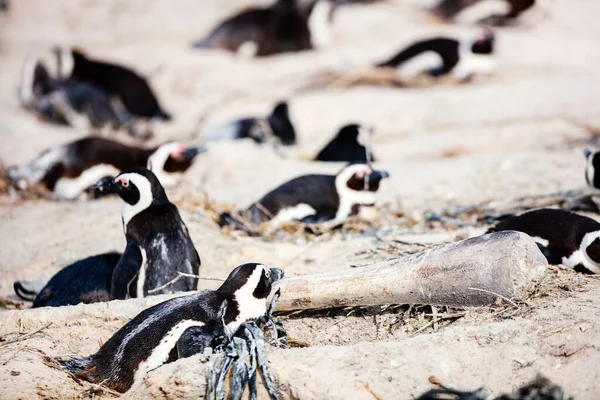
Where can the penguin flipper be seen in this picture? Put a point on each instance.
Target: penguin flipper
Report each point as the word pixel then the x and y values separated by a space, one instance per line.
pixel 195 339
pixel 125 271
pixel 77 365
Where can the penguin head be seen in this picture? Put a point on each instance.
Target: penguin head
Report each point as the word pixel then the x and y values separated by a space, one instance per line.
pixel 136 186
pixel 484 43
pixel 593 163
pixel 248 285
pixel 593 251
pixel 281 125
pixel 171 158
pixel 358 178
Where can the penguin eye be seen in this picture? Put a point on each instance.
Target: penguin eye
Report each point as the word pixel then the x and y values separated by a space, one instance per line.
pixel 125 183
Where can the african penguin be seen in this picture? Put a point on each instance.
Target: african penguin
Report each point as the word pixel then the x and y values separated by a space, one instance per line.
pixel 84 281
pixel 593 163
pixel 158 247
pixel 319 198
pixel 348 145
pixel 442 56
pixel 276 126
pixel 563 237
pixel 493 12
pixel 69 170
pixel 127 85
pixel 65 101
pixel 178 328
pixel 284 26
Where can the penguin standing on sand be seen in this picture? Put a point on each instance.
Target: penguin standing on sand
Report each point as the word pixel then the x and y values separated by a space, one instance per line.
pixel 441 56
pixel 69 170
pixel 348 145
pixel 178 328
pixel 124 83
pixel 277 127
pixel 65 101
pixel 84 281
pixel 159 246
pixel 281 27
pixel 318 198
pixel 563 237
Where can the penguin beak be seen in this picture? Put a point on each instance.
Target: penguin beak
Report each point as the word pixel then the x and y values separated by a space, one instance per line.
pixel 275 274
pixel 105 186
pixel 587 153
pixel 192 152
pixel 379 175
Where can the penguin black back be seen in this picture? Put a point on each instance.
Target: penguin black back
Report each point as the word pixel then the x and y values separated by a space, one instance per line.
pixel 564 237
pixel 347 146
pixel 84 281
pixel 447 48
pixel 158 334
pixel 129 86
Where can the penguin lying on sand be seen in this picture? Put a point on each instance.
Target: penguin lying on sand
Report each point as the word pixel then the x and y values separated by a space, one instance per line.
pixel 84 281
pixel 442 56
pixel 281 27
pixel 65 101
pixel 563 237
pixel 317 198
pixel 158 242
pixel 124 83
pixel 493 12
pixel 348 145
pixel 69 170
pixel 177 328
pixel 276 126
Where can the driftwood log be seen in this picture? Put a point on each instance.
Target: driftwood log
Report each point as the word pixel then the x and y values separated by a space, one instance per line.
pixel 473 272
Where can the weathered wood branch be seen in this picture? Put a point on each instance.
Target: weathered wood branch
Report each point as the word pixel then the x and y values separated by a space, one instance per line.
pixel 472 272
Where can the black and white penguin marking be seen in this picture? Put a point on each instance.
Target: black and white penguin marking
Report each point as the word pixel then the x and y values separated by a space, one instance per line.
pixel 281 27
pixel 127 85
pixel 442 56
pixel 276 126
pixel 158 242
pixel 563 237
pixel 348 145
pixel 69 170
pixel 319 198
pixel 493 12
pixel 65 101
pixel 162 333
pixel 84 281
pixel 593 164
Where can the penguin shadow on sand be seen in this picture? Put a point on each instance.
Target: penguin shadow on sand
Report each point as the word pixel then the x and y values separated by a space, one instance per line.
pixel 426 62
pixel 88 93
pixel 68 171
pixel 284 26
pixel 159 256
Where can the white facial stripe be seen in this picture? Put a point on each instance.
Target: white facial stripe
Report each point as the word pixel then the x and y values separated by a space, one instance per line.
pixel 145 189
pixel 482 9
pixel 586 260
pixel 249 306
pixel 590 171
pixel 142 275
pixel 540 240
pixel 349 197
pixel 67 63
pixel 428 60
pixel 319 25
pixel 248 49
pixel 160 354
pixel 294 213
pixel 470 64
pixel 156 163
pixel 70 189
pixel 27 80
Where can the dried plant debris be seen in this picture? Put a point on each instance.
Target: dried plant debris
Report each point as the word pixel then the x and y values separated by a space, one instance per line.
pixel 24 193
pixel 538 389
